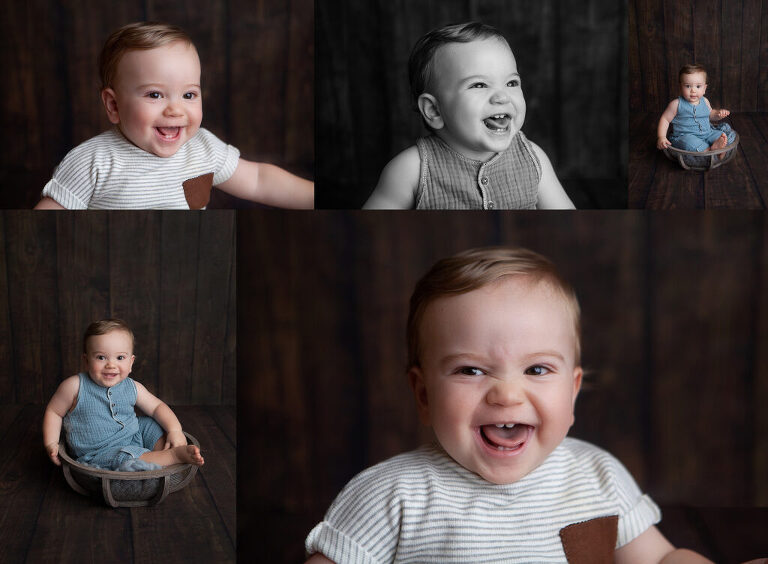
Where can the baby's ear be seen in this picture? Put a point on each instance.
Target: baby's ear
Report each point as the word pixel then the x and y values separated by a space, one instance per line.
pixel 416 379
pixel 110 104
pixel 430 111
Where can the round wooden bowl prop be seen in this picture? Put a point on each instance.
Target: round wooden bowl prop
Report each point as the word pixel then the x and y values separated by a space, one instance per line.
pixel 713 157
pixel 127 489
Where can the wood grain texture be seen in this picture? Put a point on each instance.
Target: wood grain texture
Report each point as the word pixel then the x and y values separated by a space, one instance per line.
pixel 169 275
pixel 727 36
pixel 257 78
pixel 32 271
pixel 24 468
pixel 715 313
pixel 673 321
pixel 364 108
pixel 44 520
pixel 656 182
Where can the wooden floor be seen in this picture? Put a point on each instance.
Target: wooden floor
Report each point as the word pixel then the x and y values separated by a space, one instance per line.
pixel 43 520
pixel 655 182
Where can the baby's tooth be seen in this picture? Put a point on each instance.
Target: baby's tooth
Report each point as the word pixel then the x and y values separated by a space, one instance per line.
pixel 509 425
pixel 499 425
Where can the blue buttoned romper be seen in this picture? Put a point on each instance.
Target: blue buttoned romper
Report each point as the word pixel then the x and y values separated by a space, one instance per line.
pixel 103 429
pixel 691 130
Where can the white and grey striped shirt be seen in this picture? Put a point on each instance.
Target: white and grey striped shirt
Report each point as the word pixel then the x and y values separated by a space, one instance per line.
pixel 109 172
pixel 422 506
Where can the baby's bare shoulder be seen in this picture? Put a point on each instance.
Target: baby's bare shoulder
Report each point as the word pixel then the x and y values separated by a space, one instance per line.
pixel 398 182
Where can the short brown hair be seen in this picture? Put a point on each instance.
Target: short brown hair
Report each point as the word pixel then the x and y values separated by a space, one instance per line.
pixel 104 326
pixel 475 268
pixel 135 36
pixel 691 69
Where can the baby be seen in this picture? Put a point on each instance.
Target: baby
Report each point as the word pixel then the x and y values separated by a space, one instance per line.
pixel 690 119
pixel 465 84
pixel 157 155
pixel 494 364
pixel 97 409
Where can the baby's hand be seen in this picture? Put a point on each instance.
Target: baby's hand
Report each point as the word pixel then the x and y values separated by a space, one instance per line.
pixel 663 143
pixel 174 439
pixel 724 113
pixel 53 453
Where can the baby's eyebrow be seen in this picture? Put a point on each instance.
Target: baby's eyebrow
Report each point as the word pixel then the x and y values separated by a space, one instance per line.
pixel 159 85
pixel 459 357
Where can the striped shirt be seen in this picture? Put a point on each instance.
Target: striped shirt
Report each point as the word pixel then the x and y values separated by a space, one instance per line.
pixel 109 172
pixel 422 506
pixel 451 181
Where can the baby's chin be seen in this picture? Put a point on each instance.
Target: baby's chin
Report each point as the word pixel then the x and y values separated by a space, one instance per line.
pixel 482 151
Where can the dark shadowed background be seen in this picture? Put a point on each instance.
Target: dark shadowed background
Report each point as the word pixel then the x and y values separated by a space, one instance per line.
pixel 571 56
pixel 674 326
pixel 257 76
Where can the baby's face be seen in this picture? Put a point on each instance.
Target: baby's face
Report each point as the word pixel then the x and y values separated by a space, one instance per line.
pixel 693 86
pixel 479 97
pixel 158 97
pixel 109 358
pixel 498 377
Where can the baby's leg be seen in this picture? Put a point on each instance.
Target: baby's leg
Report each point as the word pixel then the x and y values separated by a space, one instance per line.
pixel 688 142
pixel 189 454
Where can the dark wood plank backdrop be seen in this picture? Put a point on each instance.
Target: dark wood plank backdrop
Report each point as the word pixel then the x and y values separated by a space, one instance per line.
pixel 729 37
pixel 675 313
pixel 171 276
pixel 257 75
pixel 571 56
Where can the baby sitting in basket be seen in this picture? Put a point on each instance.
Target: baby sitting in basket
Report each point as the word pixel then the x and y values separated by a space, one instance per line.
pixel 96 409
pixel 690 115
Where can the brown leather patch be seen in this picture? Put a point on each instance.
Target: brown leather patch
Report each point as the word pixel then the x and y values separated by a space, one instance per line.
pixel 592 541
pixel 197 191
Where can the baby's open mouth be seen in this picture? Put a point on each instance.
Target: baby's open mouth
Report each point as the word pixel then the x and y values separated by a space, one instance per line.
pixel 505 436
pixel 498 123
pixel 169 132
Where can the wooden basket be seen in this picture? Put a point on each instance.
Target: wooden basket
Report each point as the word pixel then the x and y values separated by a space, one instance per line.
pixel 713 161
pixel 127 489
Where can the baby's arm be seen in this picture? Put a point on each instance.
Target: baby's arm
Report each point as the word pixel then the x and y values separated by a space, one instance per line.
pixel 271 185
pixel 398 183
pixel 551 193
pixel 318 558
pixel 57 408
pixel 666 118
pixel 716 115
pixel 160 412
pixel 48 204
pixel 652 546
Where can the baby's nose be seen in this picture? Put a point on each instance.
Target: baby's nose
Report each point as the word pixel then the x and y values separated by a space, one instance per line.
pixel 500 97
pixel 505 392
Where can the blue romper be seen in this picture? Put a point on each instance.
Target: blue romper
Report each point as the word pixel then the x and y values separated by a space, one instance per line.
pixel 103 429
pixel 691 130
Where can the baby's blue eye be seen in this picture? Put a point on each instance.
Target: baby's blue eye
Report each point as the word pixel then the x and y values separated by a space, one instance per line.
pixel 153 95
pixel 190 95
pixel 101 357
pixel 470 371
pixel 537 370
pixel 120 357
pixel 478 85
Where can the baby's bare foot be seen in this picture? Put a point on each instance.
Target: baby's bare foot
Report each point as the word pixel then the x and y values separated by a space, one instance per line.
pixel 721 142
pixel 190 454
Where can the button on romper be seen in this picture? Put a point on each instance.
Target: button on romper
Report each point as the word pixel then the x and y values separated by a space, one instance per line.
pixel 451 181
pixel 103 429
